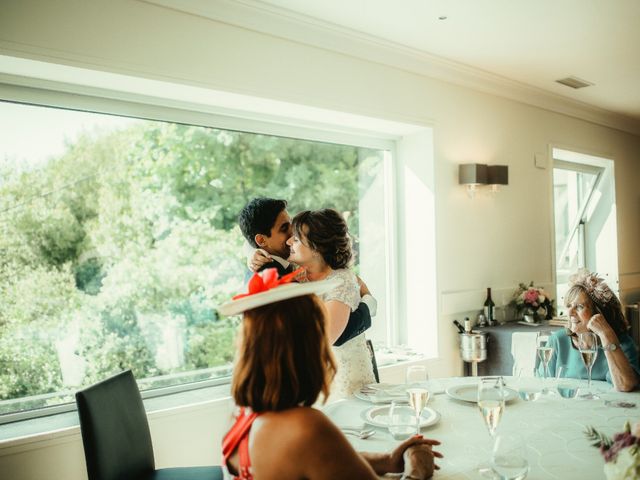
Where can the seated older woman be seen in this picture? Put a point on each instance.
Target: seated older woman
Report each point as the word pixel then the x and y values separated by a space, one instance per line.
pixel 283 364
pixel 594 307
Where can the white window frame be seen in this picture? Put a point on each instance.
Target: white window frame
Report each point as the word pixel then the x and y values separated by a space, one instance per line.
pixel 50 93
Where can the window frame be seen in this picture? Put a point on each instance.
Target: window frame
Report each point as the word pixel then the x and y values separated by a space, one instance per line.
pixel 45 93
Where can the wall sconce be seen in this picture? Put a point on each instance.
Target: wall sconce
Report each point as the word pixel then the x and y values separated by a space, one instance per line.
pixel 498 175
pixel 473 175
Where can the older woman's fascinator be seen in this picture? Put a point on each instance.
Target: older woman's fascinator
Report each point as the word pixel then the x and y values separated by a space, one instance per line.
pixel 594 286
pixel 265 288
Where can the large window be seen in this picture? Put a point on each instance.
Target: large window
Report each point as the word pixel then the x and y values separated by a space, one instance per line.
pixel 118 239
pixel 584 215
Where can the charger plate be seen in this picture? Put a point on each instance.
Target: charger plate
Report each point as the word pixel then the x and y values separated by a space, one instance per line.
pixel 469 393
pixel 379 416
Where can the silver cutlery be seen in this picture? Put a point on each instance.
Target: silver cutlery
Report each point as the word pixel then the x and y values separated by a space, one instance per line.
pixel 362 434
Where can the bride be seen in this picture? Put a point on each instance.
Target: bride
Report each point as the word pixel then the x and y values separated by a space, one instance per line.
pixel 322 246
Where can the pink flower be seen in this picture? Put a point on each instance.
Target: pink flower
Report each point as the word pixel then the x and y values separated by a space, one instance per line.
pixel 531 296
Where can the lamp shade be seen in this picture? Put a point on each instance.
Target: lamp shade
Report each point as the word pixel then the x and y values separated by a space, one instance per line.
pixel 472 174
pixel 498 175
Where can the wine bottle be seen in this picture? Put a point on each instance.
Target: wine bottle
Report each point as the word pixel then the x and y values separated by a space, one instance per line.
pixel 460 327
pixel 489 308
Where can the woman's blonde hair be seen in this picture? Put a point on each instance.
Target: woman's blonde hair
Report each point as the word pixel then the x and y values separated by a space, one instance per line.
pixel 285 359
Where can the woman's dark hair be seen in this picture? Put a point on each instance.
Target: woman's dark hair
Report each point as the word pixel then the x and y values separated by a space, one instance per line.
pixel 284 359
pixel 611 311
pixel 326 232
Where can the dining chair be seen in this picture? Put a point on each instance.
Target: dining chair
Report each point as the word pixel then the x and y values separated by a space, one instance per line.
pixel 116 438
pixel 372 354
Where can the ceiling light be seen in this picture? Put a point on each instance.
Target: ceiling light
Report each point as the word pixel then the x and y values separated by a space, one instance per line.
pixel 442 17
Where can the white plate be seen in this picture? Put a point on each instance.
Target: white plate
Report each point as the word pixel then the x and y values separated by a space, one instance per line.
pixel 379 416
pixel 469 393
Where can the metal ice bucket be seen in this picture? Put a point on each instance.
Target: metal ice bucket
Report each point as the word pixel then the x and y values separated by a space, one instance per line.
pixel 473 346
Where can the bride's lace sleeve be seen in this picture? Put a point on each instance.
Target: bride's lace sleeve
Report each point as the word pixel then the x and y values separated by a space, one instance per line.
pixel 348 292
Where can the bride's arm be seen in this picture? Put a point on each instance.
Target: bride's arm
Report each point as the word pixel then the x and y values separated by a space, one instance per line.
pixel 337 320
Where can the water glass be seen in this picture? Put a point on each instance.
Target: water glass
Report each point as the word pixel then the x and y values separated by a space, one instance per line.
pixel 528 388
pixel 402 421
pixel 566 386
pixel 509 458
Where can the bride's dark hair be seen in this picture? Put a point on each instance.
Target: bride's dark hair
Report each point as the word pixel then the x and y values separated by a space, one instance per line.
pixel 326 232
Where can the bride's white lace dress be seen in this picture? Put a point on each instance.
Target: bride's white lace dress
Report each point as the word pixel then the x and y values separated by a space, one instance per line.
pixel 354 362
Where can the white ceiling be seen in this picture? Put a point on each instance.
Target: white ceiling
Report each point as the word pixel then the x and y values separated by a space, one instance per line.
pixel 532 42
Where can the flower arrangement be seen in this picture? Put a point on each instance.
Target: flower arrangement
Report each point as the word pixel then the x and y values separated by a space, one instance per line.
pixel 532 299
pixel 621 452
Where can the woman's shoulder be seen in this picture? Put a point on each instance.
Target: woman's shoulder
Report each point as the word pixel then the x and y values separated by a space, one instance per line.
pixel 344 274
pixel 294 428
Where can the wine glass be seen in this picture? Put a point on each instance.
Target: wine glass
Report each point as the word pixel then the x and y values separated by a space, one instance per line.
pixel 491 402
pixel 509 457
pixel 588 346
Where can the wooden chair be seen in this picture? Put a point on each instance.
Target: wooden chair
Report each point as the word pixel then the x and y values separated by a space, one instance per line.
pixel 116 437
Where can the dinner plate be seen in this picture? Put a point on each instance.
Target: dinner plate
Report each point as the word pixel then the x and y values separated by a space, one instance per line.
pixel 379 416
pixel 469 393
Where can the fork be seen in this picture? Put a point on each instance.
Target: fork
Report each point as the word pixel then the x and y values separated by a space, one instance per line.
pixel 362 434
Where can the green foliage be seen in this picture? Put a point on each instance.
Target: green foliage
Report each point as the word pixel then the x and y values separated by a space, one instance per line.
pixel 28 363
pixel 130 236
pixel 210 344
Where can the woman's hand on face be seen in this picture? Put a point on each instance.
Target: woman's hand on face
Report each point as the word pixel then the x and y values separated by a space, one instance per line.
pixel 598 325
pixel 414 449
pixel 260 257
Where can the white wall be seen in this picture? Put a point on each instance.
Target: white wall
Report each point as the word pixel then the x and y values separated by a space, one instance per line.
pixel 494 241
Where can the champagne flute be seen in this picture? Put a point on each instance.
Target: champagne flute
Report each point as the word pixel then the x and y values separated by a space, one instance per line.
pixel 418 398
pixel 416 376
pixel 544 350
pixel 491 402
pixel 588 346
pixel 491 406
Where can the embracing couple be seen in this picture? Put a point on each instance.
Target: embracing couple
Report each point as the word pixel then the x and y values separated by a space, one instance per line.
pixel 319 242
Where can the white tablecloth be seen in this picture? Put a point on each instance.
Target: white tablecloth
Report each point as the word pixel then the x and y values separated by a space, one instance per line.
pixel 552 428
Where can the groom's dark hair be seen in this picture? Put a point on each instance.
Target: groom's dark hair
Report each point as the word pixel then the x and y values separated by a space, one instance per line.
pixel 259 216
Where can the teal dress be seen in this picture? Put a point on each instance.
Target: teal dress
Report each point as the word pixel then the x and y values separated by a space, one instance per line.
pixel 565 354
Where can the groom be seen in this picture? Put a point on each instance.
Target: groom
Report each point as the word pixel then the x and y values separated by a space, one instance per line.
pixel 266 224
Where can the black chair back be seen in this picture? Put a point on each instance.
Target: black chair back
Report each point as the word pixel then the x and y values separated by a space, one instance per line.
pixel 115 431
pixel 374 363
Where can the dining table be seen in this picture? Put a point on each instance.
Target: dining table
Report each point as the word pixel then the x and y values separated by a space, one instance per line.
pixel 551 427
